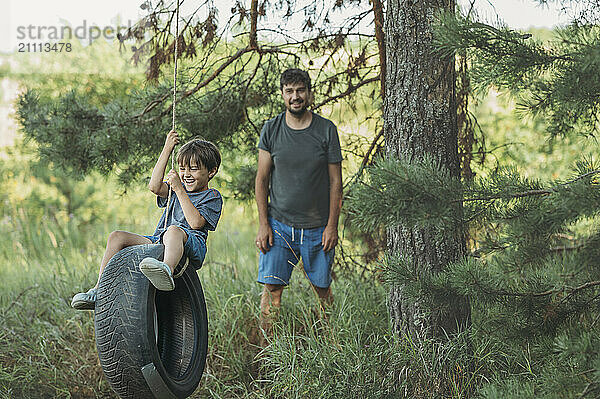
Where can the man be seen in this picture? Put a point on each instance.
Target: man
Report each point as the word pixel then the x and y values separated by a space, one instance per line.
pixel 298 194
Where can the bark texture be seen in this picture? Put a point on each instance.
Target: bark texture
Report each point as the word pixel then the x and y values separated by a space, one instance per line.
pixel 419 119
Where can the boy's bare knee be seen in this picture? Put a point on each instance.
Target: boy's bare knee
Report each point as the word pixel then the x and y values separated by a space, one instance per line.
pixel 116 236
pixel 175 231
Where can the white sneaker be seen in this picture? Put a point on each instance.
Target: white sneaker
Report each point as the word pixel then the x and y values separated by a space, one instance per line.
pixel 159 274
pixel 85 300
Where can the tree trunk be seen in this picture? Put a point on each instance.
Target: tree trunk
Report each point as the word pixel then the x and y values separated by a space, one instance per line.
pixel 420 118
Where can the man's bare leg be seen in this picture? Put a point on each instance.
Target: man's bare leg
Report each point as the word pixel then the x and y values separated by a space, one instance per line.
pixel 270 302
pixel 325 295
pixel 325 302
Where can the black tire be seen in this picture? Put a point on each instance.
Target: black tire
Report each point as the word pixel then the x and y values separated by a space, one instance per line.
pixel 151 344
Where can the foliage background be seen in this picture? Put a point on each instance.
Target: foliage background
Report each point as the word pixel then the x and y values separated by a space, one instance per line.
pixel 55 226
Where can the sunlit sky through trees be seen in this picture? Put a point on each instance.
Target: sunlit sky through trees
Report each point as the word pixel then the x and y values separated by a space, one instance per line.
pixel 18 16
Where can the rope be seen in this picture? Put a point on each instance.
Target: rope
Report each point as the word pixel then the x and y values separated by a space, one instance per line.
pixel 178 274
pixel 174 103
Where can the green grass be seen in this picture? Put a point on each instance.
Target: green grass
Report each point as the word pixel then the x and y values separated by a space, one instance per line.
pixel 47 349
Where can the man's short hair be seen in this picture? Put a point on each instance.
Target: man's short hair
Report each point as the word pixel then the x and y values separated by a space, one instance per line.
pixel 199 151
pixel 294 75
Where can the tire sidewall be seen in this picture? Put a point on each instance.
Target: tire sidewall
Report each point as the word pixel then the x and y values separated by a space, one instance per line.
pixel 186 385
pixel 125 330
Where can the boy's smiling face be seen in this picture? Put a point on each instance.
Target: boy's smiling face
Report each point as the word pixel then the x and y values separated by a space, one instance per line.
pixel 194 177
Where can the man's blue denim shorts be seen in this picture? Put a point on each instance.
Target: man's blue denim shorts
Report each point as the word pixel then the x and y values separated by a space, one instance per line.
pixel 289 245
pixel 194 248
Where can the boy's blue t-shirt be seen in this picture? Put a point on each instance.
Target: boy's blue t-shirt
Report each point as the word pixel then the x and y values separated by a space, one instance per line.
pixel 208 202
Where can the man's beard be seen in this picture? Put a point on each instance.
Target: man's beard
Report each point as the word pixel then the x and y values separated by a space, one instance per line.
pixel 299 112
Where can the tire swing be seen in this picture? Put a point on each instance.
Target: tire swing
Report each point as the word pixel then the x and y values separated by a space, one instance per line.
pixel 151 344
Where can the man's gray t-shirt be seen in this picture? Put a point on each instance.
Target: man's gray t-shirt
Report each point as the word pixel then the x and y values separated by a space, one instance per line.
pixel 299 189
pixel 208 202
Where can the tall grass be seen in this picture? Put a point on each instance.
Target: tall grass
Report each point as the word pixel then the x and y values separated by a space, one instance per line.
pixel 47 349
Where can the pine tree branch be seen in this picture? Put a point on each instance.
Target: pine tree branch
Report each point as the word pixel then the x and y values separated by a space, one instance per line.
pixel 479 213
pixel 528 193
pixel 507 196
pixel 217 72
pixel 583 176
pixel 378 18
pixel 566 249
pixel 572 291
pixel 412 183
pixel 253 24
pixel 258 63
pixel 589 284
pixel 586 390
pixel 365 160
pixel 293 42
pixel 351 88
pixel 198 86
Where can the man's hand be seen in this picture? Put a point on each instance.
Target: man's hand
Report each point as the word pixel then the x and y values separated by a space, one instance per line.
pixel 171 141
pixel 330 238
pixel 174 181
pixel 264 238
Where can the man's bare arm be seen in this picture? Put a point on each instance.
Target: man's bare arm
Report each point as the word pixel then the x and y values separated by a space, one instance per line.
pixel 330 234
pixel 264 237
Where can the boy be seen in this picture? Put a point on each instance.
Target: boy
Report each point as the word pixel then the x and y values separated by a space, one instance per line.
pixel 193 211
